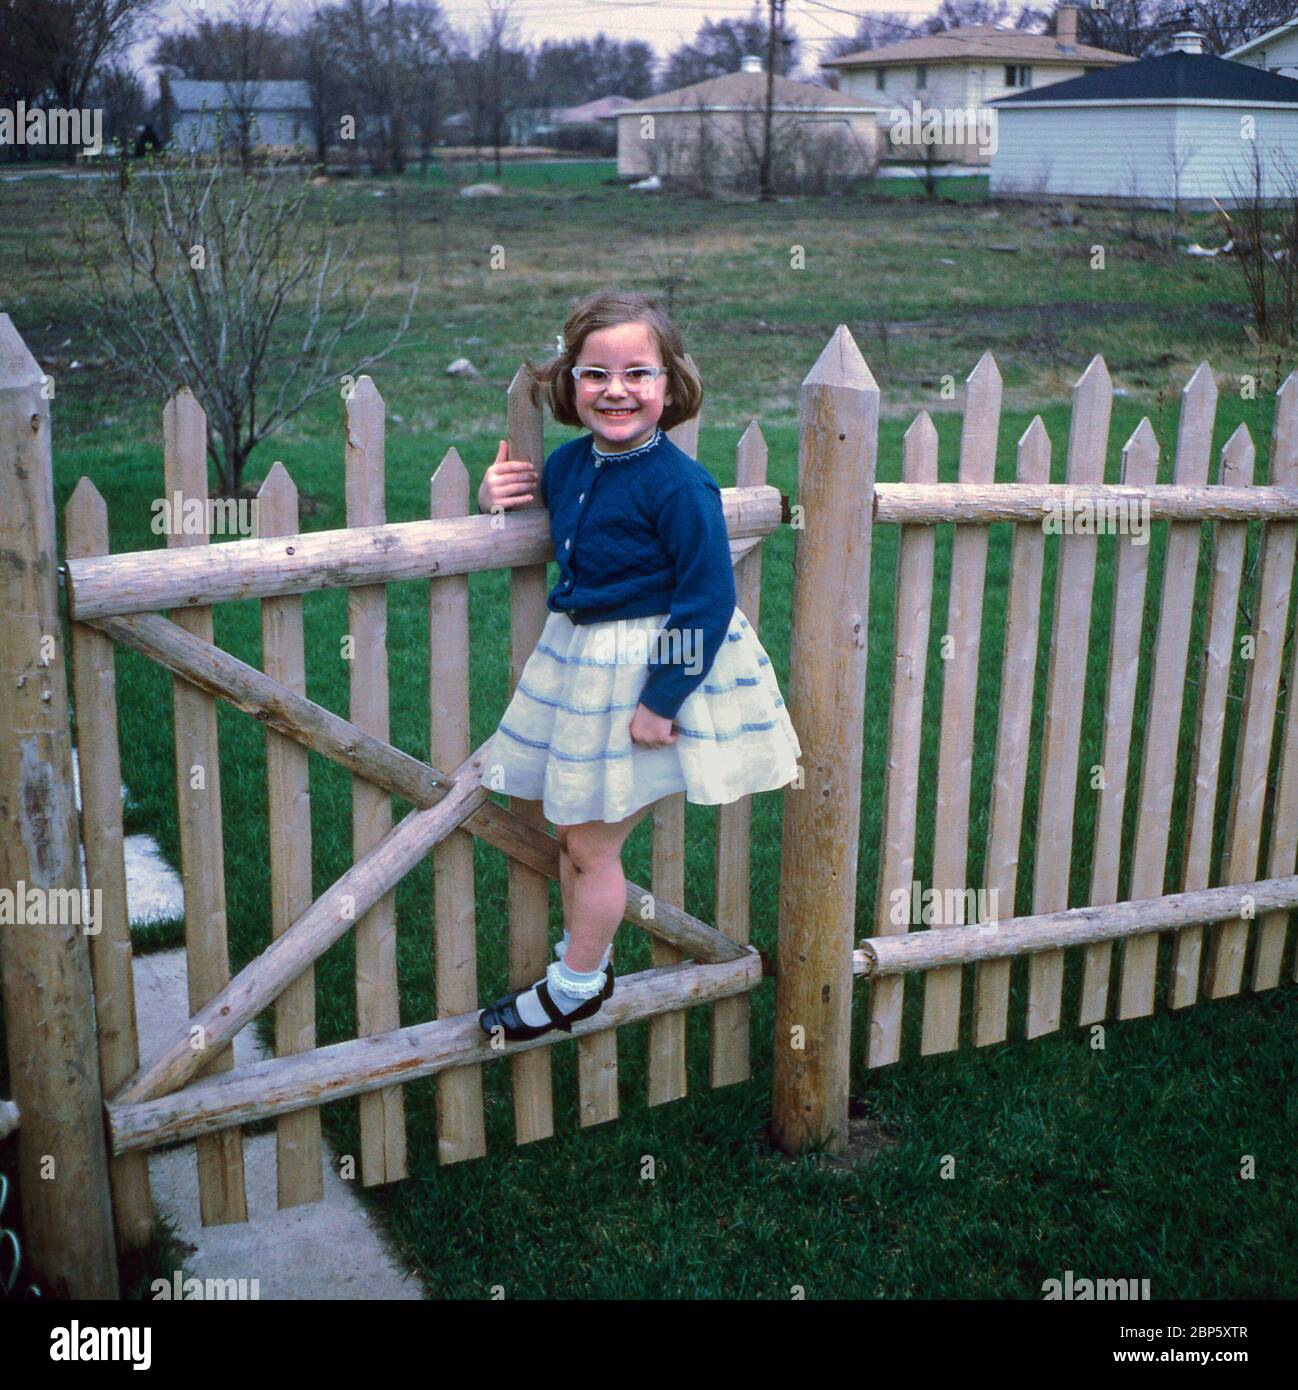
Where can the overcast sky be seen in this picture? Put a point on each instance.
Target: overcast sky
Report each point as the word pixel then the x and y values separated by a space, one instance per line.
pixel 663 24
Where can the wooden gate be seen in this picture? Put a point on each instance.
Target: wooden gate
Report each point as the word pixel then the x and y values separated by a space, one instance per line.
pixel 192 1090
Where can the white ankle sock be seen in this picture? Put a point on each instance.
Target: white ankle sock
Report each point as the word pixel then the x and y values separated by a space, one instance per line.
pixel 569 989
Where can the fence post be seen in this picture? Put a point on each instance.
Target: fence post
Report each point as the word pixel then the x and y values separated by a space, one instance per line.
pixel 837 452
pixel 49 1002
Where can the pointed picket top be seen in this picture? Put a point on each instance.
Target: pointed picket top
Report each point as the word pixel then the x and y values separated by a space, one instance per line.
pixel 1194 429
pixel 364 470
pixel 751 457
pixel 363 393
pixel 1140 456
pixel 85 520
pixel 1034 450
pixel 277 503
pixel 448 489
pixel 277 484
pixel 184 461
pixel 981 425
pixel 18 368
pixel 1095 378
pixel 521 381
pixel 1202 385
pixel 985 374
pixel 919 450
pixel 184 423
pixel 1237 458
pixel 366 413
pixel 1088 432
pixel 524 421
pixel 840 364
pixel 1284 435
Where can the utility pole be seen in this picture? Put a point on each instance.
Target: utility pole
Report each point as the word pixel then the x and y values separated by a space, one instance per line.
pixel 774 28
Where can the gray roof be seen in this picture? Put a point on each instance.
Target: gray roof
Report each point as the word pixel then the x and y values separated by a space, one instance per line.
pixel 1175 76
pixel 192 95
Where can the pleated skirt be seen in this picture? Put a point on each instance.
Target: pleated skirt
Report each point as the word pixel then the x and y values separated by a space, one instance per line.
pixel 565 737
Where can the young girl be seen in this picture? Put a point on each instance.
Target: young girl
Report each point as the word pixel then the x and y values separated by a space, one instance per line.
pixel 647 679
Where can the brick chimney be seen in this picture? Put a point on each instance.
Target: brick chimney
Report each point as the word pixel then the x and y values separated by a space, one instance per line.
pixel 1066 26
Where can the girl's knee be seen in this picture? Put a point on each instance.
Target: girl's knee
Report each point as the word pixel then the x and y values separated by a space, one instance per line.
pixel 589 849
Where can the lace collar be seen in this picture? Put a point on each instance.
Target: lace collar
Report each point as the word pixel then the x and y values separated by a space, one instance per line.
pixel 629 453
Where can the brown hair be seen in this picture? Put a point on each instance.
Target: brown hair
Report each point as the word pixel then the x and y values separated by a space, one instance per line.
pixel 552 381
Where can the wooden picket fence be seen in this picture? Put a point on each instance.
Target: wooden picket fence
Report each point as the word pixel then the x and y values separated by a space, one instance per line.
pixel 108 1119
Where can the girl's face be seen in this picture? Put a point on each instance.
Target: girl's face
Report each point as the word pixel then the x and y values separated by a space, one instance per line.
pixel 620 416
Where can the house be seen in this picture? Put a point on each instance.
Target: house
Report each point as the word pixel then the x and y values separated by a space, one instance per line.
pixel 602 109
pixel 1176 130
pixel 274 113
pixel 1275 51
pixel 956 74
pixel 715 129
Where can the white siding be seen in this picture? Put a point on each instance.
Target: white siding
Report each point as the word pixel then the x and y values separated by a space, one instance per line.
pixel 953 84
pixel 950 86
pixel 272 128
pixel 1276 55
pixel 1136 152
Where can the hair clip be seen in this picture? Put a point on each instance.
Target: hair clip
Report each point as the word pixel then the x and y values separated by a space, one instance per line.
pixel 558 344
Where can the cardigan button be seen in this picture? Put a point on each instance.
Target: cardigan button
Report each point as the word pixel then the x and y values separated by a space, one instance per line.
pixel 582 498
pixel 567 545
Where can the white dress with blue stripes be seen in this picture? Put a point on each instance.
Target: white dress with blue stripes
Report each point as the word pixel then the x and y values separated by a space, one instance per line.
pixel 565 737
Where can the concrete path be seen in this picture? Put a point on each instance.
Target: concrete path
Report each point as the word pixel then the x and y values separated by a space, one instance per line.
pixel 329 1249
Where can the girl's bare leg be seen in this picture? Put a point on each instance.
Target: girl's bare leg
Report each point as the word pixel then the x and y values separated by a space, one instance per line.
pixel 595 897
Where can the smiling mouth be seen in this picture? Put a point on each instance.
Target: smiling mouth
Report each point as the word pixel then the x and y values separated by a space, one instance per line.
pixel 618 410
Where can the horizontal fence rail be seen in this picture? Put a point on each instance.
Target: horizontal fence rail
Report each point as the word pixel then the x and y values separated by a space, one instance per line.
pixel 881 956
pixel 145 581
pixel 973 504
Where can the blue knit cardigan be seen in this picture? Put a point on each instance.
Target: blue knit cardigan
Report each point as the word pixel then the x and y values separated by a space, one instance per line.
pixel 640 533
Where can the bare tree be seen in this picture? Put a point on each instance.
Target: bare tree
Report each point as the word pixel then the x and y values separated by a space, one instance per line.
pixel 490 73
pixel 1225 24
pixel 1263 232
pixel 226 283
pixel 719 45
pixel 388 58
pixel 58 46
pixel 873 31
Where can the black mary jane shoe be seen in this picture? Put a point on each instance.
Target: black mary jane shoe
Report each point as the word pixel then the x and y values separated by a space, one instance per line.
pixel 504 1014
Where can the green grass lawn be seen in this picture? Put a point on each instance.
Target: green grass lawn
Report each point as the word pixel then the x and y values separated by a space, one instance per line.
pixel 1113 1162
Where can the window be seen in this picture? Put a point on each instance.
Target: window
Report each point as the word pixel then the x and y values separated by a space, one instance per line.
pixel 881 79
pixel 1017 75
pixel 921 77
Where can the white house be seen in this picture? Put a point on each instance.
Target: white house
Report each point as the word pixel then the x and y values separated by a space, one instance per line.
pixel 715 129
pixel 962 70
pixel 1179 129
pixel 276 113
pixel 1275 51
